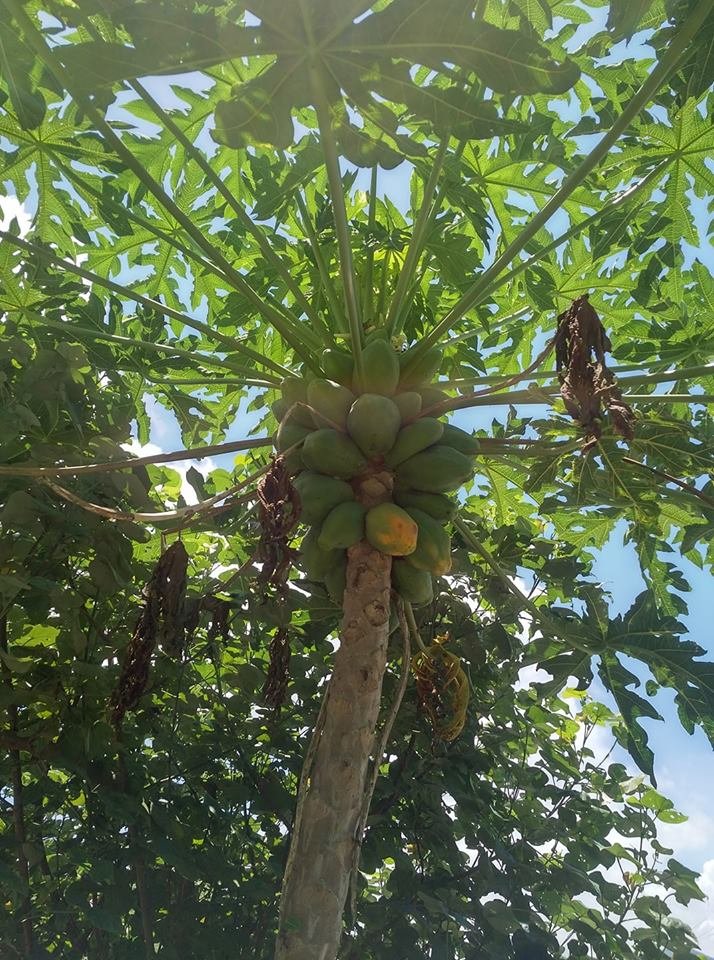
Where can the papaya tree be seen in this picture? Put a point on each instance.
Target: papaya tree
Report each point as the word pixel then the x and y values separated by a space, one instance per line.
pixel 324 236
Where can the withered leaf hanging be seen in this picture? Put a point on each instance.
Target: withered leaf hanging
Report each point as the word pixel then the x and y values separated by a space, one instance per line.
pixel 161 621
pixel 278 511
pixel 586 385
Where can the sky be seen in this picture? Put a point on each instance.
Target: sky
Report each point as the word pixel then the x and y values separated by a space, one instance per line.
pixel 684 764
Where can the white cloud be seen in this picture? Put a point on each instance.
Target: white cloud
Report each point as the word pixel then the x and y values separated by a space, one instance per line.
pixel 699 916
pixel 689 839
pixel 11 207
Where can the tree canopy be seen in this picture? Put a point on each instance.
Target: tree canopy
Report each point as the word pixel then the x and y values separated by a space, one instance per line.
pixel 206 199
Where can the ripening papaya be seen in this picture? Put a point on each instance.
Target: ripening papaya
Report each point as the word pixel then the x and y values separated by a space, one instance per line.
pixel 314 560
pixel 460 440
pixel 380 368
pixel 433 548
pixel 320 494
pixel 330 401
pixel 343 526
pixel 414 438
pixel 290 432
pixel 438 469
pixel 408 404
pixel 334 453
pixel 373 423
pixel 438 506
pixel 336 580
pixel 391 530
pixel 419 370
pixel 338 366
pixel 413 585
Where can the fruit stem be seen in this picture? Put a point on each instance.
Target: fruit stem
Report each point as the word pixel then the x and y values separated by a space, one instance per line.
pixel 413 628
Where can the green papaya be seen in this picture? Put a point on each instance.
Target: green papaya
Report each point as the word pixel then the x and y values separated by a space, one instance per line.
pixel 336 580
pixel 413 585
pixel 338 366
pixel 294 391
pixel 293 462
pixel 320 494
pixel 438 506
pixel 373 423
pixel 290 432
pixel 436 470
pixel 279 408
pixel 328 451
pixel 332 400
pixel 315 561
pixel 380 368
pixel 460 440
pixel 433 547
pixel 408 404
pixel 391 530
pixel 432 395
pixel 421 369
pixel 414 438
pixel 343 526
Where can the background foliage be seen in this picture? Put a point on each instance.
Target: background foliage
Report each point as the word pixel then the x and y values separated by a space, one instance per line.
pixel 184 251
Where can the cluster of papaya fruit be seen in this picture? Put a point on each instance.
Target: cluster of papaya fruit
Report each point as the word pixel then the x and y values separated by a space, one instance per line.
pixel 339 430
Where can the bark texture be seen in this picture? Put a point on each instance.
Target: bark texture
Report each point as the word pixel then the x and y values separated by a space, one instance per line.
pixel 317 875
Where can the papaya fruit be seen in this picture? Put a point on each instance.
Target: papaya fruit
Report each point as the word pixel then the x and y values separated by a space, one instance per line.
pixel 338 366
pixel 290 432
pixel 391 530
pixel 293 462
pixel 408 404
pixel 413 585
pixel 320 494
pixel 328 451
pixel 460 440
pixel 279 408
pixel 336 580
pixel 419 370
pixel 438 506
pixel 343 526
pixel 373 423
pixel 315 561
pixel 381 368
pixel 414 438
pixel 432 395
pixel 294 391
pixel 433 547
pixel 330 399
pixel 436 470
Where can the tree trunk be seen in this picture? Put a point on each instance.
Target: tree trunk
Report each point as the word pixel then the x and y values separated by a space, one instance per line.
pixel 317 875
